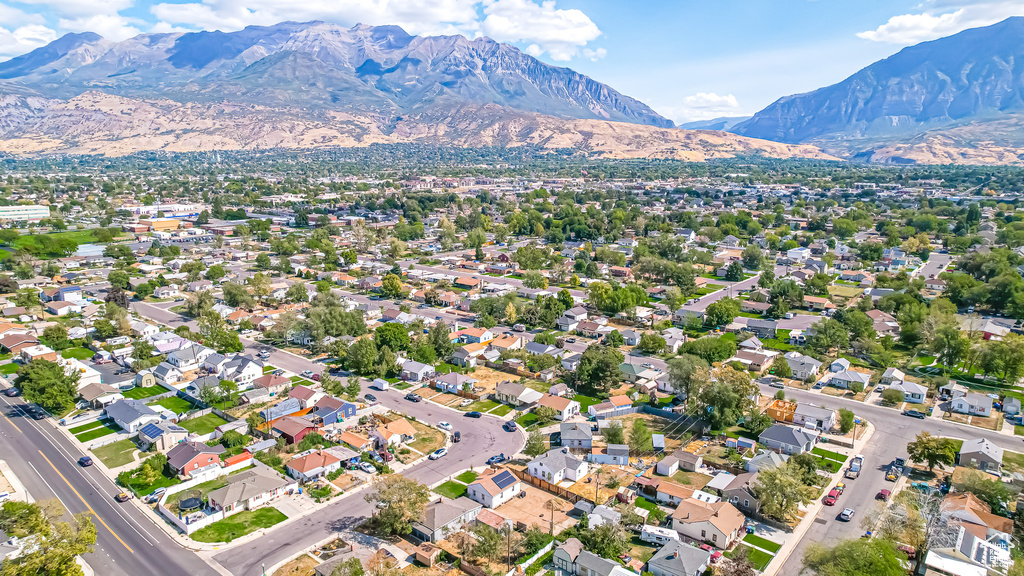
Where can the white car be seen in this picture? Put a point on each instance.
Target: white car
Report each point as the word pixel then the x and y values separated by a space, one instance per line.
pixel 367 467
pixel 439 453
pixel 444 426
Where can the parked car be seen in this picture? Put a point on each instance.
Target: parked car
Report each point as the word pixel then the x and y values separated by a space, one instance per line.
pixel 370 398
pixel 444 426
pixel 386 456
pixel 316 377
pixel 413 397
pixel 439 453
pixel 892 475
pixel 496 459
pixel 831 497
pixel 847 514
pixel 883 495
pixel 465 403
pixel 123 497
pixel 154 495
pixel 367 467
pixel 456 436
pixel 841 487
pixel 10 392
pixel 308 373
pixel 509 426
pixel 473 414
pixel 914 414
pixel 85 461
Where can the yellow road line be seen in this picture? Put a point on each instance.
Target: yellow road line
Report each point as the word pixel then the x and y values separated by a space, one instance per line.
pixel 11 422
pixel 84 502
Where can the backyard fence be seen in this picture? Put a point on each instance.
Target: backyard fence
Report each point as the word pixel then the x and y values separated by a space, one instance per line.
pixel 549 487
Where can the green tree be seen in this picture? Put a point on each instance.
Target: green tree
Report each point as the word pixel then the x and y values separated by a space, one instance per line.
pixel 297 292
pixel 393 335
pixel 48 385
pixel 535 444
pixel 891 397
pixel 391 286
pixel 263 261
pixel 544 414
pixel 932 450
pixel 991 491
pixel 598 370
pixel 651 343
pixel 752 257
pixel 781 368
pixel 855 557
pixel 405 501
pixel 686 373
pixel 781 491
pixel 118 278
pixel 734 273
pixel 614 339
pixel 215 272
pixel 613 433
pixel 56 337
pixel 535 280
pixel 640 437
pixel 722 312
pixel 847 420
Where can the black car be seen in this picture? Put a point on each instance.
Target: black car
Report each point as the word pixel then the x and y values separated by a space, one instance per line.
pixel 473 414
pixel 370 398
pixel 509 426
pixel 914 414
pixel 11 392
pixel 37 414
pixel 85 461
pixel 412 397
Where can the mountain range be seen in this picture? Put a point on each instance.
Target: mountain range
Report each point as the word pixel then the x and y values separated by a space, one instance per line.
pixel 318 84
pixel 958 99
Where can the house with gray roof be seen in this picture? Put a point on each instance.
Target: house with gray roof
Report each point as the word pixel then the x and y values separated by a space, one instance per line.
pixel 787 439
pixel 679 559
pixel 801 366
pixel 809 415
pixel 444 517
pixel 250 489
pixel 131 414
pixel 765 460
pixel 763 328
pixel 982 454
pixel 557 465
pixel 576 436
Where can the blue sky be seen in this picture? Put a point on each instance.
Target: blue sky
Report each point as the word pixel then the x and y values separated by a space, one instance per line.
pixel 688 59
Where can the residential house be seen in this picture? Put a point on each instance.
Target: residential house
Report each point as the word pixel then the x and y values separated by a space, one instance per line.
pixel 131 415
pixel 811 416
pixel 161 435
pixel 570 559
pixel 787 439
pixel 717 523
pixel 912 392
pixel 565 408
pixel 557 465
pixel 764 329
pixel 756 362
pixel 452 382
pixel 330 410
pixel 306 396
pixel 847 378
pixel 468 355
pixel 802 367
pixel 973 403
pixel 494 488
pixel 538 349
pixel 572 362
pixel 38 352
pixel 677 558
pixel 273 383
pixel 444 517
pixel 671 493
pixel 62 308
pixel 976 516
pixel 187 457
pixel 740 492
pixel 766 459
pixel 576 436
pixel 313 464
pixel 982 454
pixel 250 489
pixel 892 376
pixel 413 371
pixel 617 454
pixel 292 428
pixel 515 394
pixel 395 432
pixel 189 357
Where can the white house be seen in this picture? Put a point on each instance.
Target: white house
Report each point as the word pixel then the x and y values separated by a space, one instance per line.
pixel 167 374
pixel 189 357
pixel 798 254
pixel 557 465
pixel 564 407
pixel 312 465
pixel 846 378
pixel 131 414
pixel 719 523
pixel 913 393
pixel 493 490
pixel 973 404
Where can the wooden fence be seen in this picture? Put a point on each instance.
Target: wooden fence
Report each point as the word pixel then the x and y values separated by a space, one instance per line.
pixel 549 487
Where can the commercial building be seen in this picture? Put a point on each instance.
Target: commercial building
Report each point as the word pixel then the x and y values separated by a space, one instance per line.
pixel 160 224
pixel 24 212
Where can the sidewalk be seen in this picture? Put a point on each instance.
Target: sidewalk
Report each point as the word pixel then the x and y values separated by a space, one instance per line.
pixel 811 512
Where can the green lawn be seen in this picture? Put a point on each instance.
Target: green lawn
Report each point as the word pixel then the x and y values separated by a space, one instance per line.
pixel 174 404
pixel 142 489
pixel 645 504
pixel 203 424
pixel 501 410
pixel 204 488
pixel 1018 430
pixel 9 368
pixel 79 236
pixel 758 558
pixel 451 489
pixel 466 477
pixel 107 427
pixel 830 455
pixel 527 420
pixel 764 543
pixel 117 454
pixel 239 525
pixel 1013 460
pixel 585 401
pixel 141 392
pixel 480 406
pixel 268 369
pixel 90 426
pixel 77 353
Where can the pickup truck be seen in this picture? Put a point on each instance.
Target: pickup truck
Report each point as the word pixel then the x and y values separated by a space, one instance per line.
pixel 855 465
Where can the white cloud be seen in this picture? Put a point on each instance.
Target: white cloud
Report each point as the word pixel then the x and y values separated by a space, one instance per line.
pixel 542 27
pixel 939 18
pixel 24 39
pixel 561 33
pixel 594 55
pixel 703 106
pixel 75 9
pixel 112 26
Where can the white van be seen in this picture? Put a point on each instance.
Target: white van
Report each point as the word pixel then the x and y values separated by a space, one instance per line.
pixel 658 535
pixel 380 384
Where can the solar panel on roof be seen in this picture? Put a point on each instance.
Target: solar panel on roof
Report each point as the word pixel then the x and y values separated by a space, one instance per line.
pixel 504 479
pixel 152 430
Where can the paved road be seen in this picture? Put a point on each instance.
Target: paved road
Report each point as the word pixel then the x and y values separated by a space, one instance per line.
pixel 935 265
pixel 892 433
pixel 46 463
pixel 481 439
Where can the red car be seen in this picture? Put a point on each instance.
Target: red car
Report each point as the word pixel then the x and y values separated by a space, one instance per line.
pixel 830 500
pixel 883 495
pixel 316 377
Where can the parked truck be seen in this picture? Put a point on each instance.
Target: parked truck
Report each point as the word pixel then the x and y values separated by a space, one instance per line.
pixel 855 465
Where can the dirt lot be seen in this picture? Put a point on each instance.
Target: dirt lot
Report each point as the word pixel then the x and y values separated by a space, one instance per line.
pixel 585 486
pixel 301 566
pixel 346 482
pixel 531 510
pixel 953 417
pixel 992 423
pixel 427 439
pixel 657 425
pixel 488 378
pixel 443 398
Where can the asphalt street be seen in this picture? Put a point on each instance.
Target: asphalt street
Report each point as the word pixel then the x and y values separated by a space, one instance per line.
pixel 46 462
pixel 892 433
